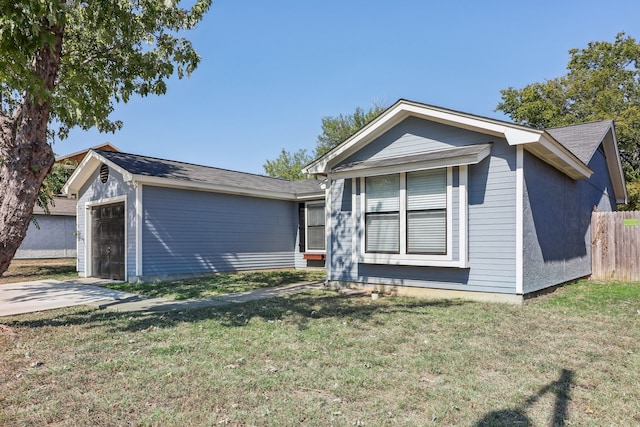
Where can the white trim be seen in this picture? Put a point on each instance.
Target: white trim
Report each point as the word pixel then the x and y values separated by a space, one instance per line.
pixel 463 216
pixel 403 258
pixel 306 229
pixel 89 237
pixel 538 142
pixel 328 226
pixel 139 226
pixel 519 220
pixel 354 221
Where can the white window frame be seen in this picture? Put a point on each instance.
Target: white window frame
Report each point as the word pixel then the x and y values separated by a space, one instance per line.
pixel 403 258
pixel 306 228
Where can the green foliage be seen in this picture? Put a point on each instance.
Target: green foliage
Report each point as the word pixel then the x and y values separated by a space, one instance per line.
pixel 602 82
pixel 336 130
pixel 288 166
pixel 111 51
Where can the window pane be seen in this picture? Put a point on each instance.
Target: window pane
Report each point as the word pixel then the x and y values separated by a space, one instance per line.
pixel 383 233
pixel 316 238
pixel 315 215
pixel 427 189
pixel 383 193
pixel 427 232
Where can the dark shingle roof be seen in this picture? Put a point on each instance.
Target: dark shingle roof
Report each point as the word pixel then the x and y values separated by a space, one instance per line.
pixel 582 140
pixel 171 169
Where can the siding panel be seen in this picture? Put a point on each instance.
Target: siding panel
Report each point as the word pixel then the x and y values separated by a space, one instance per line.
pixel 190 232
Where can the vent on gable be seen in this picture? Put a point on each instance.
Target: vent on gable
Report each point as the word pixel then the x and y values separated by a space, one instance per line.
pixel 104 173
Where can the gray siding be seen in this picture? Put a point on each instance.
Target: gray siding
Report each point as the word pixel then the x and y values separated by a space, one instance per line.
pixel 417 136
pixel 96 191
pixel 491 214
pixel 342 266
pixel 191 232
pixel 557 217
pixel 56 238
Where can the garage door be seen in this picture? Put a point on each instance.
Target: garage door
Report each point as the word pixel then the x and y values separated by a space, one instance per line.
pixel 107 236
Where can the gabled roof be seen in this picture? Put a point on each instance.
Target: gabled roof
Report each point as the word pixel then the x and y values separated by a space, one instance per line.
pixel 61 206
pixel 584 139
pixel 538 142
pixel 170 173
pixel 79 155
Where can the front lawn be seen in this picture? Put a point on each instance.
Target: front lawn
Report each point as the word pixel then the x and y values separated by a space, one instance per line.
pixel 224 283
pixel 321 359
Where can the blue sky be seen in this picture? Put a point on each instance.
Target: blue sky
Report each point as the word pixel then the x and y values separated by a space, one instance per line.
pixel 271 70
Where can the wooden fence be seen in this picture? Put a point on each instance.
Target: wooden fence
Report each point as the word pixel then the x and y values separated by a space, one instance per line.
pixel 615 245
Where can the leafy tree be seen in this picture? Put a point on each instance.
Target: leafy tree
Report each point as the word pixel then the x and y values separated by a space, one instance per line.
pixel 67 62
pixel 288 166
pixel 602 82
pixel 335 130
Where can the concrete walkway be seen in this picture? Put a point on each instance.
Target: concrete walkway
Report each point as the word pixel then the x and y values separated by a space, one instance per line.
pixel 150 305
pixel 40 295
pixel 28 297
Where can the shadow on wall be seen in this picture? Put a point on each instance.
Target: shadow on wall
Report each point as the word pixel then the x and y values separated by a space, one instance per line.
pixel 517 416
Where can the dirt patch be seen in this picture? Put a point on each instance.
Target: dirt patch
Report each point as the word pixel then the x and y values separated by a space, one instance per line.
pixel 23 270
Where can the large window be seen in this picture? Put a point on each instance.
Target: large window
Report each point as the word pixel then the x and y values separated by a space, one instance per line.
pixel 315 227
pixel 406 213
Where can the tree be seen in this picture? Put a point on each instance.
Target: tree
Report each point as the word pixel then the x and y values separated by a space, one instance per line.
pixel 288 166
pixel 602 82
pixel 68 62
pixel 335 130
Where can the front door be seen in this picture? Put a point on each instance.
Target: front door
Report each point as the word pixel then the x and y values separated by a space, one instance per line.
pixel 107 247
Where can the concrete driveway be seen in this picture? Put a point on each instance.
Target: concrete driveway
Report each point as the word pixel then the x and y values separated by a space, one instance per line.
pixel 28 297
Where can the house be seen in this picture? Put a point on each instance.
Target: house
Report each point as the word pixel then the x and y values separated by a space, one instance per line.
pixel 434 202
pixel 141 219
pixel 53 235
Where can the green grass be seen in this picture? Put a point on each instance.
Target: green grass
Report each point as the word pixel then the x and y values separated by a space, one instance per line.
pixel 321 359
pixel 41 269
pixel 220 283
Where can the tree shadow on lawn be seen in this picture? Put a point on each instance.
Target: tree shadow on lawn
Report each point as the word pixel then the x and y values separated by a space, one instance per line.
pixel 517 416
pixel 299 309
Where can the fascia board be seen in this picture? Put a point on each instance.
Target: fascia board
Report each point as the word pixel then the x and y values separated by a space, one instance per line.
pixel 84 170
pixel 203 186
pixel 614 164
pixel 401 110
pixel 574 167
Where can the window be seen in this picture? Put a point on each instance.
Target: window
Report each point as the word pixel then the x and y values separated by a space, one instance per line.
pixel 427 212
pixel 315 227
pixel 406 213
pixel 382 215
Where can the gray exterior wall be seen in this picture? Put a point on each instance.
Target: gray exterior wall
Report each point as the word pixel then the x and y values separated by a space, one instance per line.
pixel 56 238
pixel 94 191
pixel 193 232
pixel 491 215
pixel 557 219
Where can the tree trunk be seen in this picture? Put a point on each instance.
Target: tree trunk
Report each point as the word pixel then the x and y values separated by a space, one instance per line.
pixel 25 155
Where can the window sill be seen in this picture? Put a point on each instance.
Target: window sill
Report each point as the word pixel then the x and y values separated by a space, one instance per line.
pixel 314 256
pixel 417 260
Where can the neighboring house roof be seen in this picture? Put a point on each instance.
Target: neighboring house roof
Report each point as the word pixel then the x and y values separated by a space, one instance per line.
pixel 79 155
pixel 61 206
pixel 170 173
pixel 566 149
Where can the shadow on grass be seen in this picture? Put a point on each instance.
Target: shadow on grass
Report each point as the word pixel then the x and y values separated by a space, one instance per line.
pixel 298 309
pixel 518 416
pixel 218 284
